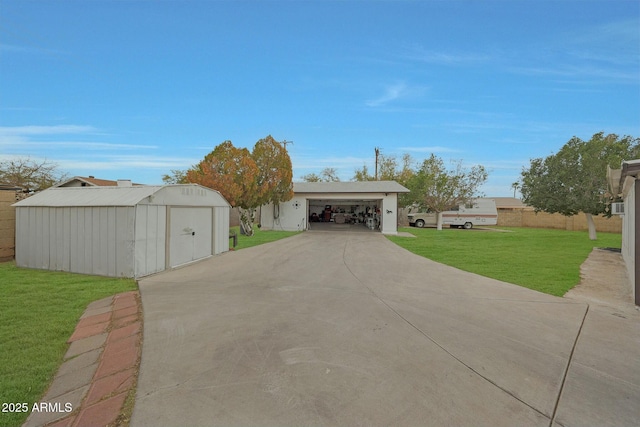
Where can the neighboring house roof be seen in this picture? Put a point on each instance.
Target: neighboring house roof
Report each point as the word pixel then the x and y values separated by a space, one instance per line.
pixel 631 166
pixel 617 178
pixel 6 187
pixel 349 187
pixel 508 203
pixel 90 181
pixel 101 196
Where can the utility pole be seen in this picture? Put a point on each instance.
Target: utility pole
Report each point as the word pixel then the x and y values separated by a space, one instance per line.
pixel 285 142
pixel 377 154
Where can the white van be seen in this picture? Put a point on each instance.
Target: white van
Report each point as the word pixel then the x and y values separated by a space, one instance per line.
pixel 478 212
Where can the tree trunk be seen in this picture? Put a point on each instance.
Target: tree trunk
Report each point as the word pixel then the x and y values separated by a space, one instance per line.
pixel 246 221
pixel 438 220
pixel 592 226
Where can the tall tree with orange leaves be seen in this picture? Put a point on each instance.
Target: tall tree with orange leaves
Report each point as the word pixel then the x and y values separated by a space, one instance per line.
pixel 275 171
pixel 247 180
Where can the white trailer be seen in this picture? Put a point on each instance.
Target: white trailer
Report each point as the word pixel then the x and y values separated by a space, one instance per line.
pixel 478 212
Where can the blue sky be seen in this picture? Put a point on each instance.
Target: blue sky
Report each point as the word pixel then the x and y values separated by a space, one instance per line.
pixel 133 89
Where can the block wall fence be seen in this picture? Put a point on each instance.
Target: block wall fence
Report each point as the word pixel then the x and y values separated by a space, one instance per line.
pixel 529 218
pixel 8 223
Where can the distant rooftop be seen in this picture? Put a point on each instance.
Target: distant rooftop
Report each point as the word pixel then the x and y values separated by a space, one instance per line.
pixel 508 202
pixel 7 187
pixel 89 181
pixel 349 187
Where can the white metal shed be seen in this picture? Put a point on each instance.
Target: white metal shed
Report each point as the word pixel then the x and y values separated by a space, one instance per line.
pixel 120 231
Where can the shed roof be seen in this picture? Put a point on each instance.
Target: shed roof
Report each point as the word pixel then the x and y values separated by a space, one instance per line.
pixel 103 196
pixel 349 187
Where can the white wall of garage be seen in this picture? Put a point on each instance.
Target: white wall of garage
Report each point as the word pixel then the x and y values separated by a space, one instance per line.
pixel 120 231
pixel 293 214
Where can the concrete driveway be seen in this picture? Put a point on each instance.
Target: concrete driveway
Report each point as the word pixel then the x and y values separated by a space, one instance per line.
pixel 331 329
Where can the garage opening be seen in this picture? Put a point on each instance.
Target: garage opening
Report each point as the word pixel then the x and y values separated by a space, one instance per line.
pixel 344 215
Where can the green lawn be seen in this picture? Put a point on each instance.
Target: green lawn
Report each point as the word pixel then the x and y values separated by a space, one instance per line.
pixel 38 313
pixel 545 260
pixel 259 237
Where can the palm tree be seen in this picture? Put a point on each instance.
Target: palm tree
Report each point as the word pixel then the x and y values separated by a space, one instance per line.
pixel 516 187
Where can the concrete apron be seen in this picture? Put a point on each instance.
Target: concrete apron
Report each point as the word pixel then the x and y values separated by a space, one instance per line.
pixel 349 329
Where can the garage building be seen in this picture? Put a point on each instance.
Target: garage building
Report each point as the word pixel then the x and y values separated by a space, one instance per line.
pixel 337 206
pixel 120 231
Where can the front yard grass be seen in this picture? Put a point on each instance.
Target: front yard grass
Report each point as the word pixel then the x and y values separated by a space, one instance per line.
pixel 545 260
pixel 39 311
pixel 259 237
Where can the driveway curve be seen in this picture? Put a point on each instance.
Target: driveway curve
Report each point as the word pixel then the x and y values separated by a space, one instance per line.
pixel 337 329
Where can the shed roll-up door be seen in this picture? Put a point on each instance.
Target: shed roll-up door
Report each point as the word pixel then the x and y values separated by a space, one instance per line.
pixel 191 234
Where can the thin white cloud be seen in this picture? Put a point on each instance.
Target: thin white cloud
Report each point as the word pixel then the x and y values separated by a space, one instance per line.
pixel 391 93
pixel 394 92
pixel 584 72
pixel 46 130
pixel 430 149
pixel 45 138
pixel 86 145
pixel 615 42
pixel 12 48
pixel 605 53
pixel 420 54
pixel 317 164
pixel 56 144
pixel 131 162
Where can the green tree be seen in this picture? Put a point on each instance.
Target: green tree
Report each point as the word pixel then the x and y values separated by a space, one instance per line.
pixel 177 176
pixel 437 188
pixel 30 175
pixel 389 170
pixel 574 179
pixel 326 175
pixel 363 175
pixel 275 172
pixel 311 177
pixel 516 187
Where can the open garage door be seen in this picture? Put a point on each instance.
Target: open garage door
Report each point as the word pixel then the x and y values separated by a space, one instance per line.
pixel 190 234
pixel 346 215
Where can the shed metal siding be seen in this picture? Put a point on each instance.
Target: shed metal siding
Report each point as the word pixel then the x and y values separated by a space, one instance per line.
pixel 113 231
pixel 150 239
pixel 77 239
pixel 125 240
pixel 221 230
pixel 38 242
pixel 21 231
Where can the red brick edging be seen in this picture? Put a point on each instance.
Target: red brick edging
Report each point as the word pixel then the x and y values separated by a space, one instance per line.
pixel 100 367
